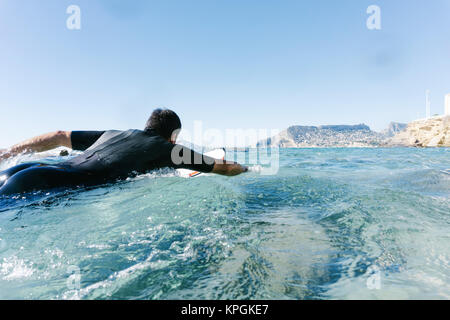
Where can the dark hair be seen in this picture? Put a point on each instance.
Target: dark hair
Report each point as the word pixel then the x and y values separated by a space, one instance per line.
pixel 164 122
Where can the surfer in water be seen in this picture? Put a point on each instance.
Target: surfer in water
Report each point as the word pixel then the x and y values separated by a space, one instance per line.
pixel 108 156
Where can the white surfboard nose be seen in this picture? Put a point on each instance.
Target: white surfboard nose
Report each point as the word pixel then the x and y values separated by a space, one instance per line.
pixel 218 154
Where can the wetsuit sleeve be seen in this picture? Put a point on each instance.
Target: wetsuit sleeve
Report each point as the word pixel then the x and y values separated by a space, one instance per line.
pixel 180 157
pixel 82 140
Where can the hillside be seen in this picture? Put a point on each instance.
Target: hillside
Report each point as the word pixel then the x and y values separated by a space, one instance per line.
pixel 326 136
pixel 432 132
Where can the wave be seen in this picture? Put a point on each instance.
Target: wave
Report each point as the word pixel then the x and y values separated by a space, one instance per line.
pixel 315 230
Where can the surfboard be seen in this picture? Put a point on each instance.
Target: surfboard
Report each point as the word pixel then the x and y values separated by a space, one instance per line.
pixel 216 154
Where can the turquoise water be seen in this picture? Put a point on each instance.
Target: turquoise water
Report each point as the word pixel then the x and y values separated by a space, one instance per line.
pixel 331 224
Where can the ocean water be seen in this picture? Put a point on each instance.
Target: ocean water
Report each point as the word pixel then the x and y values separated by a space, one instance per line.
pixel 331 224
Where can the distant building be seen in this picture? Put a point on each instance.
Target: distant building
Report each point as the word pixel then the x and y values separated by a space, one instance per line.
pixel 447 105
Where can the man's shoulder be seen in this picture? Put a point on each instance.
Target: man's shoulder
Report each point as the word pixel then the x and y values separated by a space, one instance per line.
pixel 129 132
pixel 149 136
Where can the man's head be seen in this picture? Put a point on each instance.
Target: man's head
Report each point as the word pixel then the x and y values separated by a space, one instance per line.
pixel 166 123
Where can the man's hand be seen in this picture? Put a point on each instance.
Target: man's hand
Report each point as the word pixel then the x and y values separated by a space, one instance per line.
pixel 41 143
pixel 228 168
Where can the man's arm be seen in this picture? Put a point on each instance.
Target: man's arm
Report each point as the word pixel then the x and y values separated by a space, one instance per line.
pixel 185 158
pixel 228 168
pixel 40 143
pixel 76 140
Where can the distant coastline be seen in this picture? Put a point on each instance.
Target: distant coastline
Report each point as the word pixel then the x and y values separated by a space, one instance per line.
pixel 431 132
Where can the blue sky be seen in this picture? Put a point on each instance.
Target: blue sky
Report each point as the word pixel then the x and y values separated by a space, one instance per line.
pixel 231 64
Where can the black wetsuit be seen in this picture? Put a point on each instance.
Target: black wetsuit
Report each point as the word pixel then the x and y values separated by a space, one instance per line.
pixel 107 156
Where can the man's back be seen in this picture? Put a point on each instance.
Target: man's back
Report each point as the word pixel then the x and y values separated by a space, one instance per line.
pixel 118 154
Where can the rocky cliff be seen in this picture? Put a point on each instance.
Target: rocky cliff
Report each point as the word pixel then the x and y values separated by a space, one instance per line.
pixel 393 129
pixel 432 132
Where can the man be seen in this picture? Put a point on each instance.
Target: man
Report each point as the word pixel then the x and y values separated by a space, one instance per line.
pixel 108 156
